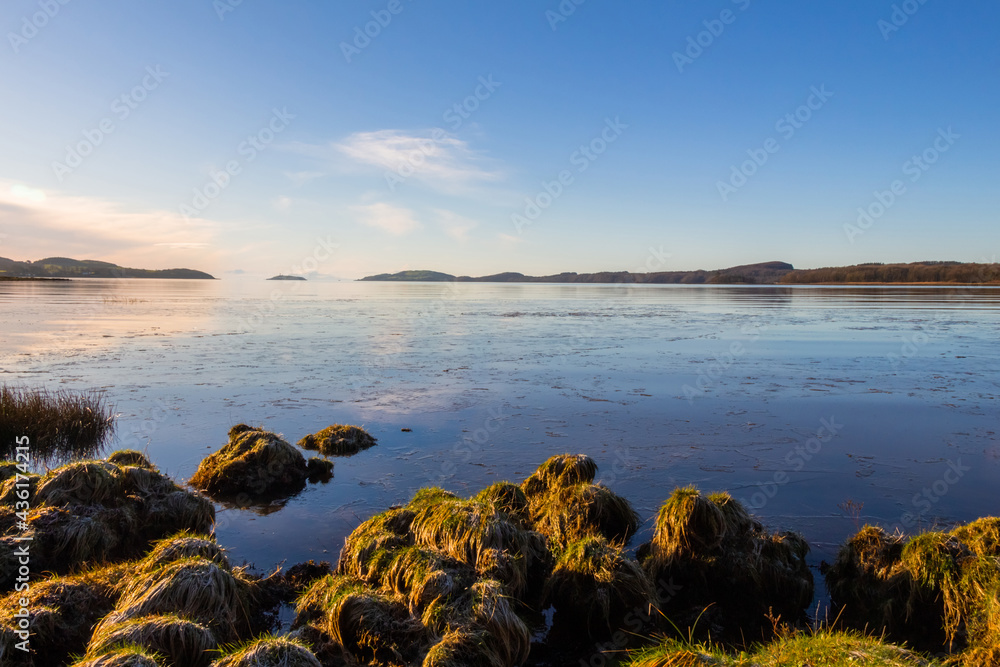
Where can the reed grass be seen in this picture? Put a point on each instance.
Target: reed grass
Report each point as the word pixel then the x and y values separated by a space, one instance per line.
pixel 58 424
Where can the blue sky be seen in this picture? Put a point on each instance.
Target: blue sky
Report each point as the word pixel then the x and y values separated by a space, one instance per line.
pixel 686 135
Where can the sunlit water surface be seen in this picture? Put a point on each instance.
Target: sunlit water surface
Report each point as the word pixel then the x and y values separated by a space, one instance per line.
pixel 726 388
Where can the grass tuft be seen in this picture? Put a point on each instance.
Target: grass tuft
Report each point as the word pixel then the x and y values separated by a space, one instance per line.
pixel 58 424
pixel 338 440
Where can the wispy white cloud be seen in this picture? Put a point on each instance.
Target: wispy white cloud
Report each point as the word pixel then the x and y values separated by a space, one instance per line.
pixel 433 157
pixel 392 219
pixel 454 225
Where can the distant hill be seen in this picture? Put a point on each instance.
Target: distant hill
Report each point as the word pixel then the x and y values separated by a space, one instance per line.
pixel 915 272
pixel 64 267
pixel 283 277
pixel 413 276
pixel 764 273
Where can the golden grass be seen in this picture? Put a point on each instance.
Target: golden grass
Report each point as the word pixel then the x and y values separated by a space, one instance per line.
pixel 933 590
pixel 270 652
pixel 199 588
pixel 595 585
pixel 127 656
pixel 570 513
pixel 463 648
pixel 506 497
pixel 129 457
pixel 180 642
pixel 722 560
pixel 81 483
pixel 338 440
pixel 185 544
pixel 820 649
pixel 254 462
pixel 561 470
pixel 366 623
pixel 64 611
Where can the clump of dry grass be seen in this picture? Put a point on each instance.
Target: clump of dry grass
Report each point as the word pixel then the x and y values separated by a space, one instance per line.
pixel 338 440
pixel 270 652
pixel 933 590
pixel 365 623
pixel 58 424
pixel 723 560
pixel 177 640
pixel 63 611
pixel 506 497
pixel 595 585
pixel 126 656
pixel 462 648
pixel 255 463
pixel 67 537
pixel 569 513
pixel 476 534
pixel 561 470
pixel 12 490
pixel 185 544
pixel 565 505
pixel 199 588
pixel 82 483
pixel 97 511
pixel 130 457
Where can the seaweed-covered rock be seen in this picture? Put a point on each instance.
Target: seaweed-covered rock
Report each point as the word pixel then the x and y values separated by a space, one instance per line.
pixel 254 463
pixel 726 565
pixel 339 440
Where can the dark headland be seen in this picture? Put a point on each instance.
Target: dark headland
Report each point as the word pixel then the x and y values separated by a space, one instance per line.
pixel 765 273
pixel 64 267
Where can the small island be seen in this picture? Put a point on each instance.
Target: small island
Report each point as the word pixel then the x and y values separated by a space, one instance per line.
pixel 284 277
pixel 65 267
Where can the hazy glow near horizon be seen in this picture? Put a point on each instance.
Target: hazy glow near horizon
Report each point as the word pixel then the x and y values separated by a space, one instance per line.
pixel 356 138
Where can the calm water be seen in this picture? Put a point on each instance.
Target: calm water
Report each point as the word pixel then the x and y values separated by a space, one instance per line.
pixel 723 387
